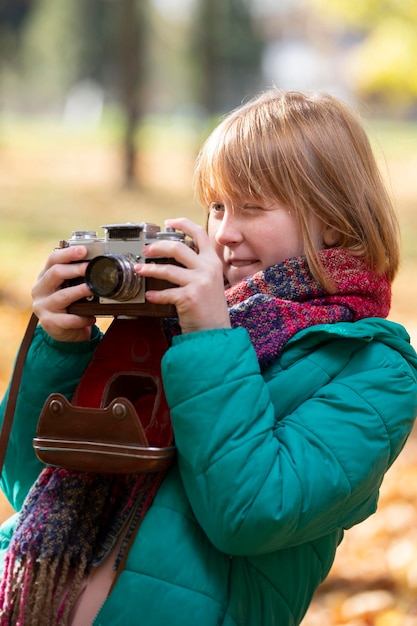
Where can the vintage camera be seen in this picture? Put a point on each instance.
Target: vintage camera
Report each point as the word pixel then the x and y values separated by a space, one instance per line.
pixel 116 288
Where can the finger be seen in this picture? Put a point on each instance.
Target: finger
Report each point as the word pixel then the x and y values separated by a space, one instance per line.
pixel 56 275
pixel 197 233
pixel 65 321
pixel 67 327
pixel 53 316
pixel 166 249
pixel 174 274
pixel 45 303
pixel 185 254
pixel 70 254
pixel 163 296
pixel 61 299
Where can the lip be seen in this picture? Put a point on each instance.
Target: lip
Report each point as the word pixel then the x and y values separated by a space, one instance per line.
pixel 241 262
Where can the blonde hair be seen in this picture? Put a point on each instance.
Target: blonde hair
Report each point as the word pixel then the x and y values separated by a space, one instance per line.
pixel 311 154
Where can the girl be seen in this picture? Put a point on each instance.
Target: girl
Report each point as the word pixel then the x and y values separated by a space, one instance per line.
pixel 290 393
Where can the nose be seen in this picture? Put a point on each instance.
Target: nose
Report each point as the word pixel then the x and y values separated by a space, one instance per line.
pixel 229 230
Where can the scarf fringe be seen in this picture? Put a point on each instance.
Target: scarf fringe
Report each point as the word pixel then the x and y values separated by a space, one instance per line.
pixel 34 593
pixel 47 562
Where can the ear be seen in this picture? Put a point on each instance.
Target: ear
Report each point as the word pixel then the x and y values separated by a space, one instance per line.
pixel 330 237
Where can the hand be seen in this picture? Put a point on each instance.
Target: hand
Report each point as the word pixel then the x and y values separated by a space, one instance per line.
pixel 199 297
pixel 50 300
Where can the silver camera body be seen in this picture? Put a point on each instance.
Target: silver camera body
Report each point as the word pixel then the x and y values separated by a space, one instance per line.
pixel 110 273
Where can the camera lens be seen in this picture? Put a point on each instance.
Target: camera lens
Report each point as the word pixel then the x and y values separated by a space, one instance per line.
pixel 113 276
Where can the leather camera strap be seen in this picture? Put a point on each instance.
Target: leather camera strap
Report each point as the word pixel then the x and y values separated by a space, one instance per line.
pixel 14 388
pixel 161 428
pixel 118 419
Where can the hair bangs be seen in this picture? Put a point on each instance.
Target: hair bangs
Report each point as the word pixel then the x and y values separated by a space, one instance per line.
pixel 235 164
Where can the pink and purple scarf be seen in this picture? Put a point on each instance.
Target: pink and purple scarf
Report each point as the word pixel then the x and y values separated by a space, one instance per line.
pixel 275 304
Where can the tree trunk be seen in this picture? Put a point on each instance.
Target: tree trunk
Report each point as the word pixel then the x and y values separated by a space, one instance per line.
pixel 132 51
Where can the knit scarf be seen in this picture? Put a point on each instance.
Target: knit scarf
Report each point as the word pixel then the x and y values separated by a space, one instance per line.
pixel 70 521
pixel 275 304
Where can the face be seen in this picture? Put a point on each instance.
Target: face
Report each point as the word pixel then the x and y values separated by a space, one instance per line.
pixel 254 236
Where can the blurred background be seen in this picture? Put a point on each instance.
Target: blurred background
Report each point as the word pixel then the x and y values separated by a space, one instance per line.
pixel 103 106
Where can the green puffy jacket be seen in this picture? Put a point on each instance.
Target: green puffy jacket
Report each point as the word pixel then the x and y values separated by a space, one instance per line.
pixel 271 468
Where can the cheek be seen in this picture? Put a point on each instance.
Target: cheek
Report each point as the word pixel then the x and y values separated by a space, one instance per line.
pixel 212 228
pixel 282 244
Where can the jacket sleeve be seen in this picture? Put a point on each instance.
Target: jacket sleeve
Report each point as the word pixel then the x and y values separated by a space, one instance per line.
pixel 50 367
pixel 268 466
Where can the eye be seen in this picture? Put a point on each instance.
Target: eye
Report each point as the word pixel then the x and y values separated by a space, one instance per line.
pixel 216 208
pixel 252 208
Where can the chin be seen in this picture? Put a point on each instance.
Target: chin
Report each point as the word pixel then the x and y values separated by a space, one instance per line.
pixel 236 280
